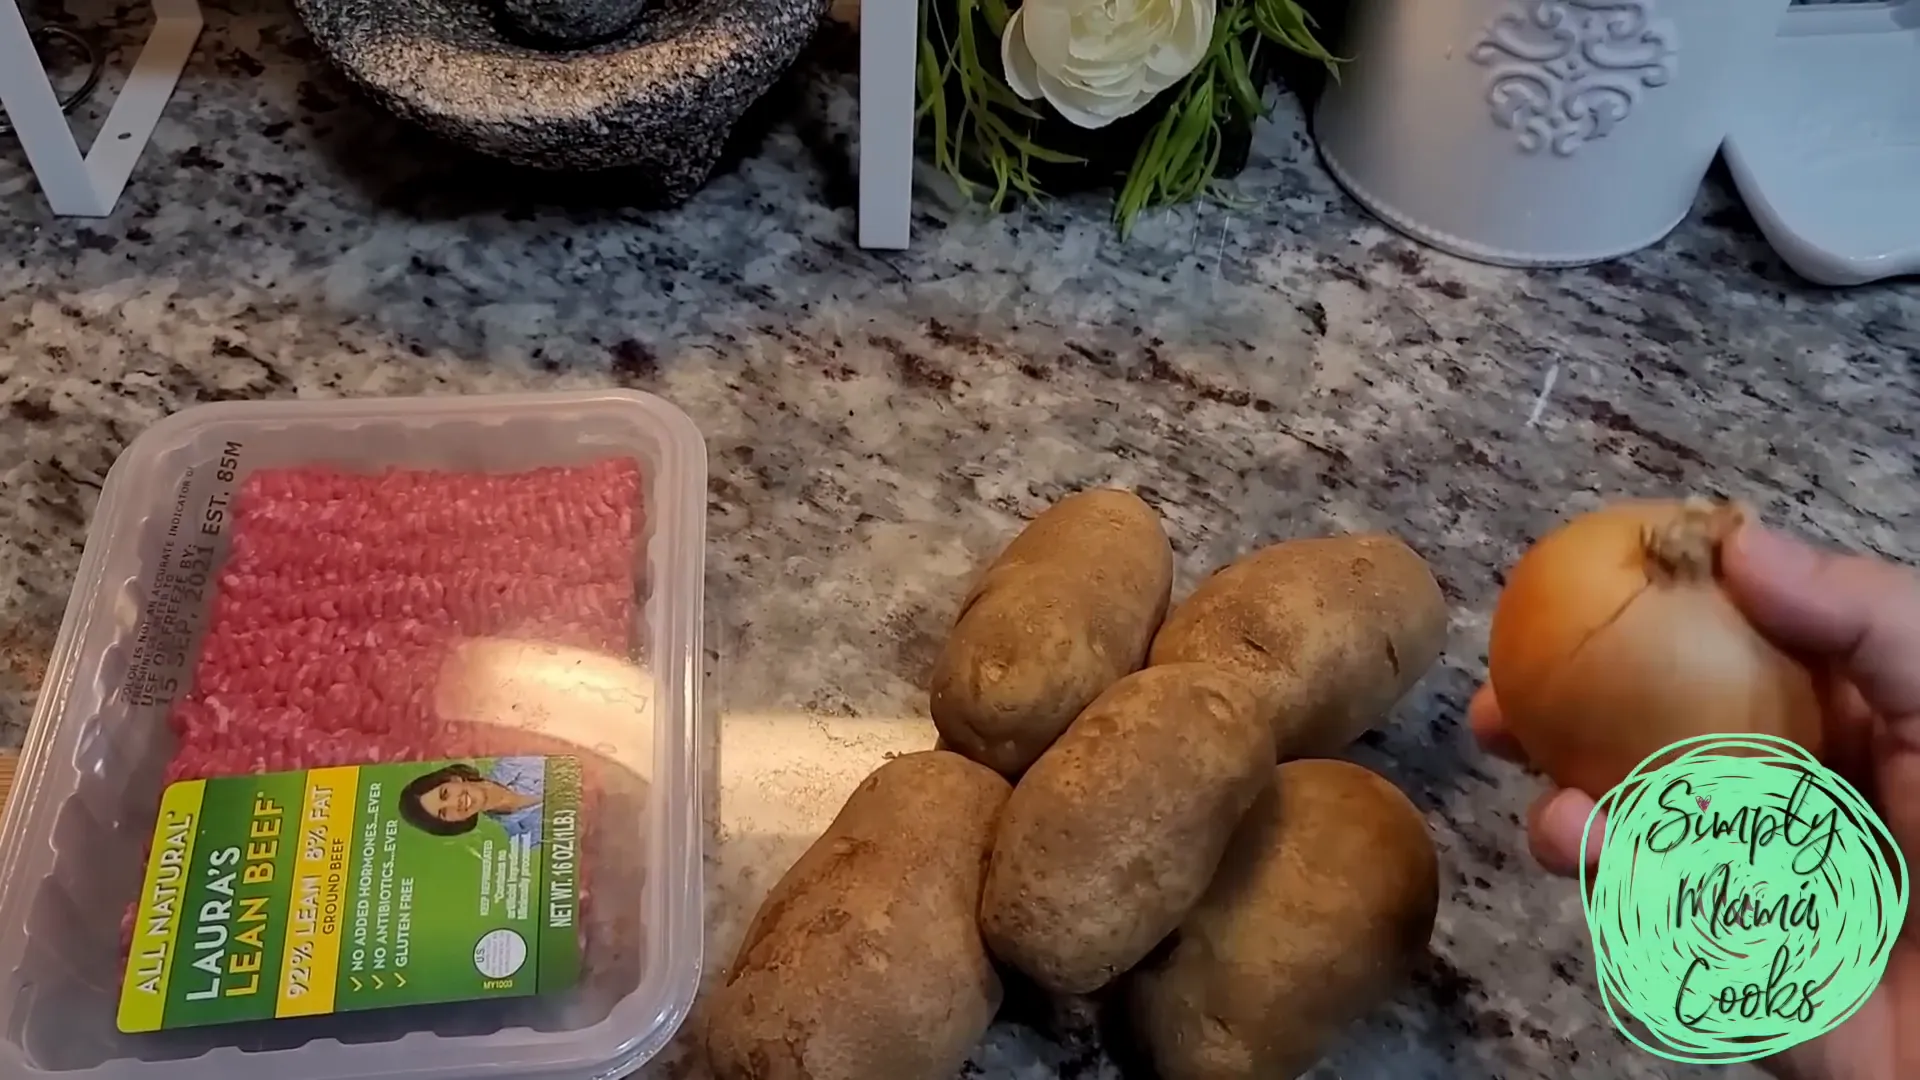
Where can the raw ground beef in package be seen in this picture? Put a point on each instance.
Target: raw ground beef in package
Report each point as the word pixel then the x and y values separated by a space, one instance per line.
pixel 374 722
pixel 345 597
pixel 355 613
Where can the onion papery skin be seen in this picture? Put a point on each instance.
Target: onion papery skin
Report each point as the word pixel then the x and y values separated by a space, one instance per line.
pixel 1604 650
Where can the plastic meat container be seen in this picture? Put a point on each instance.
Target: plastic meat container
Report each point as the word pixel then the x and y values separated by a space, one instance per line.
pixel 273 588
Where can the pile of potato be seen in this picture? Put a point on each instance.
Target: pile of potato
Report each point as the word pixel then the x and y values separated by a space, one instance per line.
pixel 1108 817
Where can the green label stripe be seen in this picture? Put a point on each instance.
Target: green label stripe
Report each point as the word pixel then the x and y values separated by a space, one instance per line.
pixel 161 912
pixel 1746 900
pixel 560 913
pixel 235 925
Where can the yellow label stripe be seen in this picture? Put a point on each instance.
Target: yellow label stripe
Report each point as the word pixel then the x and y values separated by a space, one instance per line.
pixel 156 927
pixel 310 966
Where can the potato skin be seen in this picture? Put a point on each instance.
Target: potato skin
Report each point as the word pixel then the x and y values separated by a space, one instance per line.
pixel 1322 906
pixel 1114 833
pixel 1067 609
pixel 865 961
pixel 1331 632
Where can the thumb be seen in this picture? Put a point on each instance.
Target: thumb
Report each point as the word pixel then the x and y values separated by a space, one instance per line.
pixel 1860 614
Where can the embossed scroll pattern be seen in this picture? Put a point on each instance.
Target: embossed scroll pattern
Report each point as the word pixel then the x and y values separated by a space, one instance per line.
pixel 1566 72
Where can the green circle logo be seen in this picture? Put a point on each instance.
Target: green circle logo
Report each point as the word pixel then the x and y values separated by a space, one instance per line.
pixel 1745 900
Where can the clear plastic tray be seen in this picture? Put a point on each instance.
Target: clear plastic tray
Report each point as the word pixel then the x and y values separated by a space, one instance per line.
pixel 73 845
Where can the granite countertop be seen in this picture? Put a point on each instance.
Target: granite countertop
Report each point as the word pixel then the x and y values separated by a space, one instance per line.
pixel 1275 367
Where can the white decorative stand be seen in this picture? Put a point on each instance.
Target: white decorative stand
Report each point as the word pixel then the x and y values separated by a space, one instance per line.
pixel 1827 151
pixel 88 185
pixel 1538 132
pixel 889 41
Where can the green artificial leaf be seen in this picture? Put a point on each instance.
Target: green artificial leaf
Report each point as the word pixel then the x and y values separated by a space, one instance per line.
pixel 1239 79
pixel 1286 24
pixel 1040 153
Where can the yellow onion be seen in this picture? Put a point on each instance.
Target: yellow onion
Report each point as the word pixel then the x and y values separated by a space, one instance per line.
pixel 1614 639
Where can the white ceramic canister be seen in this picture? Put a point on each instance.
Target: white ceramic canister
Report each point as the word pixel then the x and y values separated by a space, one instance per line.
pixel 1538 132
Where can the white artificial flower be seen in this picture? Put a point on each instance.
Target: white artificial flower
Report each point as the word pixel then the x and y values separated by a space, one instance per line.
pixel 1099 60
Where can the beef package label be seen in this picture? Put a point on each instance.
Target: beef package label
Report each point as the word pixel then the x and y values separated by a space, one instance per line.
pixel 363 887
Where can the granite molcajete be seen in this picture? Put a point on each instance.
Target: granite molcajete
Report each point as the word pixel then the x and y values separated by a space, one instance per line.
pixel 568 24
pixel 661 97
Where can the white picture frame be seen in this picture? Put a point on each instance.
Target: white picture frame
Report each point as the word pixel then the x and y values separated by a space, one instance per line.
pixel 889 44
pixel 88 183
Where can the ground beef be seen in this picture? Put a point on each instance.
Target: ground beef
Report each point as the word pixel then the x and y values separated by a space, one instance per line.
pixel 342 594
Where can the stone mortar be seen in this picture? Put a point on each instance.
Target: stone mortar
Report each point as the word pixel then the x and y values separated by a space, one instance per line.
pixel 660 99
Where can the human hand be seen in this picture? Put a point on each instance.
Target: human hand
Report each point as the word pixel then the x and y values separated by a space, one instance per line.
pixel 1856 622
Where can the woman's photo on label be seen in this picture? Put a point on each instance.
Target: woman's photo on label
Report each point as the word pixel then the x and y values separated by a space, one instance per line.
pixel 450 800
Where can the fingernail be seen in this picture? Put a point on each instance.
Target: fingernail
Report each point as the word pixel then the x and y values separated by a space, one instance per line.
pixel 1565 819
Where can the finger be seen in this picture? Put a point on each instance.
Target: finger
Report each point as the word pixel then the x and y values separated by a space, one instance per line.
pixel 1863 613
pixel 1555 827
pixel 1803 1062
pixel 1851 732
pixel 1896 779
pixel 1490 729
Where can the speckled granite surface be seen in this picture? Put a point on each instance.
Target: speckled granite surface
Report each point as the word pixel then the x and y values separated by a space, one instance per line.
pixel 877 423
